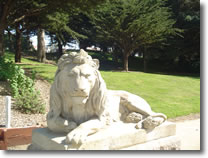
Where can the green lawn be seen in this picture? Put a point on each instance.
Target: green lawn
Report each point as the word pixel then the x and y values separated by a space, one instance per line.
pixel 169 94
pixel 172 95
pixel 45 71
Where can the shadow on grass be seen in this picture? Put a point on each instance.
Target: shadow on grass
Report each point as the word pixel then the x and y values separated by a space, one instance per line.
pixel 136 65
pixel 190 75
pixel 107 64
pixel 39 74
pixel 111 66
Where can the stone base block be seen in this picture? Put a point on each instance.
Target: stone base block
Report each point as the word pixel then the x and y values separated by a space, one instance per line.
pixel 167 143
pixel 116 137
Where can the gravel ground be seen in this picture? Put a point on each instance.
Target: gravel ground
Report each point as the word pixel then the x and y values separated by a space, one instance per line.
pixel 24 120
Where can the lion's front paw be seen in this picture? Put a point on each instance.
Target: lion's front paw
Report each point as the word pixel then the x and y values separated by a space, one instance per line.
pixel 69 126
pixel 72 125
pixel 152 122
pixel 76 137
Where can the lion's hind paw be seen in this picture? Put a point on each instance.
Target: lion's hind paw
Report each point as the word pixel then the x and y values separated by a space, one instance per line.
pixel 76 138
pixel 152 122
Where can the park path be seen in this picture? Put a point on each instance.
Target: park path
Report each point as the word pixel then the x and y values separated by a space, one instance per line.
pixel 189 133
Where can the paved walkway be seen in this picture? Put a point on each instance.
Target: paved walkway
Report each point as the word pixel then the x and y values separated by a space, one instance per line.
pixel 189 133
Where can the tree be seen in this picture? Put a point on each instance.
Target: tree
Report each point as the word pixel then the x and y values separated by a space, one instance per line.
pixel 59 28
pixel 18 43
pixel 81 23
pixel 15 11
pixel 132 24
pixel 5 8
pixel 41 45
pixel 63 24
pixel 187 15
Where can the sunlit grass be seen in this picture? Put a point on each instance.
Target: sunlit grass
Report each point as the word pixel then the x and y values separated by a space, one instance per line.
pixel 172 95
pixel 45 71
pixel 169 94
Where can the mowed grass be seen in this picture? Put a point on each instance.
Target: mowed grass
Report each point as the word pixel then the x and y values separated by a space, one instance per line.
pixel 45 71
pixel 172 95
pixel 169 94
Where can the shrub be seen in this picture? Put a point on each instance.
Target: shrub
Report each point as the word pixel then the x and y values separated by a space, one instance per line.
pixel 19 81
pixel 6 69
pixel 27 99
pixel 29 102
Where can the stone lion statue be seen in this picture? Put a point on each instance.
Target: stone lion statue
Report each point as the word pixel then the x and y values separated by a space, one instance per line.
pixel 80 103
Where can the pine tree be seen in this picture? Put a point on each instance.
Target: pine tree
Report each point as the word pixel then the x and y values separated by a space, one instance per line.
pixel 132 24
pixel 13 12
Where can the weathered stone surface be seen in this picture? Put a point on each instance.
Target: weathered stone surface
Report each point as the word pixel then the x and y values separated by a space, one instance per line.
pixel 115 137
pixel 44 139
pixel 134 117
pixel 167 143
pixel 151 122
pixel 81 104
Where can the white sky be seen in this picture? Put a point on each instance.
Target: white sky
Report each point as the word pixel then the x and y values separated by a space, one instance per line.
pixel 47 41
pixel 34 40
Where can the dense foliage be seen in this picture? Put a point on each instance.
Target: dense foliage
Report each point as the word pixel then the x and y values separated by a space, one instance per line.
pixel 29 102
pixel 133 24
pixel 147 27
pixel 22 87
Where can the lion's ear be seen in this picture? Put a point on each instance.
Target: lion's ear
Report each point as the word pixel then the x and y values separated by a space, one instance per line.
pixel 64 59
pixel 97 63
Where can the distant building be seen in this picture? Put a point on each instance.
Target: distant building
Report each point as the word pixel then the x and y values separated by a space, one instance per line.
pixel 93 48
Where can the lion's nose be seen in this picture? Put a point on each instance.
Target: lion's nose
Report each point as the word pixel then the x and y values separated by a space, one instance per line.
pixel 80 86
pixel 80 92
pixel 79 89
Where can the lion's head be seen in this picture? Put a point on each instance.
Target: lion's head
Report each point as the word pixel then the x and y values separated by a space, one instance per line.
pixel 78 82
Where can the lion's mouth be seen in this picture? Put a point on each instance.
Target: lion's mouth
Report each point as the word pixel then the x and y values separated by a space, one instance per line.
pixel 79 99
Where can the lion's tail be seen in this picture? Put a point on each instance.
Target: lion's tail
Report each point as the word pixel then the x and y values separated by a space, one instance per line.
pixel 159 115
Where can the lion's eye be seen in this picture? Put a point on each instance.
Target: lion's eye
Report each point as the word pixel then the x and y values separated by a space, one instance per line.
pixel 87 75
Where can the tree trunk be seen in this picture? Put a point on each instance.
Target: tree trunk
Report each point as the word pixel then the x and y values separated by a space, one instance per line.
pixel 5 9
pixel 18 45
pixel 60 49
pixel 1 42
pixel 11 46
pixel 115 57
pixel 145 59
pixel 126 64
pixel 82 45
pixel 41 45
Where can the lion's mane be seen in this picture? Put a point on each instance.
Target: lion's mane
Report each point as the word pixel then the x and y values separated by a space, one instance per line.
pixel 96 104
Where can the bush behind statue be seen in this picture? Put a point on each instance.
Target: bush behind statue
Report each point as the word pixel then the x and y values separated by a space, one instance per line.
pixel 29 102
pixel 26 96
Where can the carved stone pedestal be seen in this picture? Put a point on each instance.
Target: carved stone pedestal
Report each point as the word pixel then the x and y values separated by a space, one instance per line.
pixel 116 137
